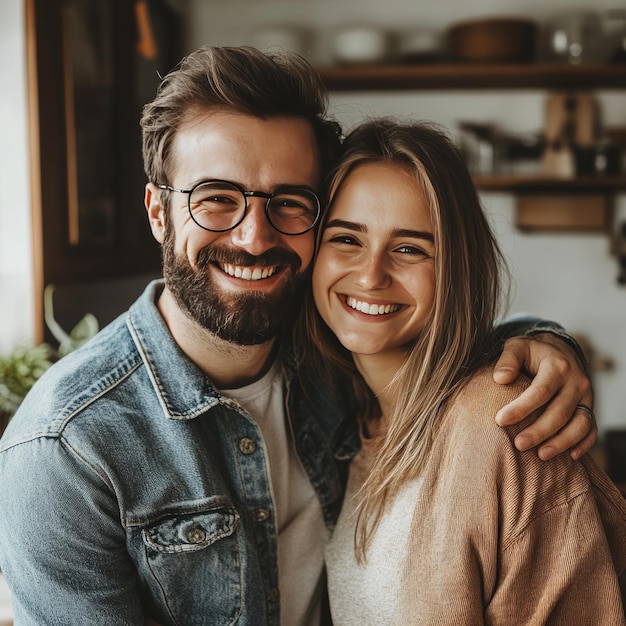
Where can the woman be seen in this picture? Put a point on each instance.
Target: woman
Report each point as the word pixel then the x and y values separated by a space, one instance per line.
pixel 444 521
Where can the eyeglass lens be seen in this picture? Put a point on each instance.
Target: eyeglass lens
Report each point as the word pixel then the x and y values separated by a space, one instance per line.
pixel 220 206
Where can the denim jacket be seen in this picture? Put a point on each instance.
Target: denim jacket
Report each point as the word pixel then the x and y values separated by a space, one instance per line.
pixel 129 486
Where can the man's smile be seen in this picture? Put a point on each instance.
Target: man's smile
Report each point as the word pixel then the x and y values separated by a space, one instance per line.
pixel 247 272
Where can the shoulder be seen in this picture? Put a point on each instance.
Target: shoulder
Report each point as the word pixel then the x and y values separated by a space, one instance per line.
pixel 518 484
pixel 472 411
pixel 73 383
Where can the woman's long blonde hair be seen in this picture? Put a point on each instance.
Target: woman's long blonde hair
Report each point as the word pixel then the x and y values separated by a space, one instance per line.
pixel 458 338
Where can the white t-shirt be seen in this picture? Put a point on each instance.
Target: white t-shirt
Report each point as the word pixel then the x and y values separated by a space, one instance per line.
pixel 365 594
pixel 302 534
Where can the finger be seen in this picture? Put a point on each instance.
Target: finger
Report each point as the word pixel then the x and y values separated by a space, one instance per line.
pixel 586 444
pixel 561 425
pixel 541 391
pixel 509 365
pixel 556 389
pixel 578 436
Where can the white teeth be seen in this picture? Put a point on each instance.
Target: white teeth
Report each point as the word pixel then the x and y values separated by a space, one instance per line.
pixel 371 309
pixel 248 273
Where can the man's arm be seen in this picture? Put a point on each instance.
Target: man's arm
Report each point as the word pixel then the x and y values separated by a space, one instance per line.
pixel 560 384
pixel 62 544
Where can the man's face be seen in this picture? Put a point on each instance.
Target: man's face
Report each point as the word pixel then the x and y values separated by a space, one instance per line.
pixel 243 285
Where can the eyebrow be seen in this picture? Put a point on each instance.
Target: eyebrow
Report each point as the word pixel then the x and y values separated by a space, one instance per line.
pixel 245 187
pixel 398 232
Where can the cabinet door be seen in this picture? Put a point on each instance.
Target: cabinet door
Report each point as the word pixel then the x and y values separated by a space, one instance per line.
pixel 92 66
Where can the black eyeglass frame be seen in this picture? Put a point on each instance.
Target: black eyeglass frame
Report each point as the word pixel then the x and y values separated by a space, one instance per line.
pixel 246 194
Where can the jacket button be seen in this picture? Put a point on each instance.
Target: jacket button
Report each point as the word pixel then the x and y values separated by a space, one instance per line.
pixel 274 594
pixel 260 515
pixel 247 445
pixel 196 535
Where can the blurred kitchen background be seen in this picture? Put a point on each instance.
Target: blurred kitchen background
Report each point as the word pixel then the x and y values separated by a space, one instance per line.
pixel 534 91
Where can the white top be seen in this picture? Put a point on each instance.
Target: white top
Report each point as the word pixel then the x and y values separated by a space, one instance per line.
pixel 365 594
pixel 302 534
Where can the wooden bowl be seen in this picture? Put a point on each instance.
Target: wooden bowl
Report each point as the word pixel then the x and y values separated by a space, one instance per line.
pixel 493 40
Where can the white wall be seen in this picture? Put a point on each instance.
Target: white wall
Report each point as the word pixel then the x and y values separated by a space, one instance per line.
pixel 236 22
pixel 567 278
pixel 16 279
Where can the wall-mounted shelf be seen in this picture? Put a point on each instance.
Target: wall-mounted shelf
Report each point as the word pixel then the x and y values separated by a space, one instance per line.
pixel 473 76
pixel 534 184
pixel 546 203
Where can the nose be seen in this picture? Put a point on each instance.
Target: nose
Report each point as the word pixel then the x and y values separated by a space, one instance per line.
pixel 255 234
pixel 373 272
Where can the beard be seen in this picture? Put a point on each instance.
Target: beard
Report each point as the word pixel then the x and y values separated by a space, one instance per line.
pixel 246 318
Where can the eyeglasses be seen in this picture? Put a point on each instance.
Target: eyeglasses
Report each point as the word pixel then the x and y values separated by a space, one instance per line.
pixel 220 206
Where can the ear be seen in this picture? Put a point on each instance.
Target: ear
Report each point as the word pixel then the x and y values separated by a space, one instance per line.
pixel 152 201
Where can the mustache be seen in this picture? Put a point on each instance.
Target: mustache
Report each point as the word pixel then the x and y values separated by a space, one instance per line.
pixel 273 256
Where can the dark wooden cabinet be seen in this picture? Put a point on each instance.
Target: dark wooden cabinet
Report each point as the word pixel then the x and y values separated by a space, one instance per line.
pixel 92 65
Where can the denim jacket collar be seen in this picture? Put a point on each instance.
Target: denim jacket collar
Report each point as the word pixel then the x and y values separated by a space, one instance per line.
pixel 183 390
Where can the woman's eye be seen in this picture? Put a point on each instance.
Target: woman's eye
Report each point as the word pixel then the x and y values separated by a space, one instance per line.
pixel 343 239
pixel 412 250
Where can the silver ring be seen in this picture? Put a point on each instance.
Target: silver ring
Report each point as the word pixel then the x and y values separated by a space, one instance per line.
pixel 587 410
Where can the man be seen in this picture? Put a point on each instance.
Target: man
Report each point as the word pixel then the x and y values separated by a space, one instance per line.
pixel 176 469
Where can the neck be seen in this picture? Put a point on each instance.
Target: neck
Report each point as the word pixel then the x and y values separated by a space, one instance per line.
pixel 378 371
pixel 228 365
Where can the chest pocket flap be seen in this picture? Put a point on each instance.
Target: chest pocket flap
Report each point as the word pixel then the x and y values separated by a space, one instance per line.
pixel 191 531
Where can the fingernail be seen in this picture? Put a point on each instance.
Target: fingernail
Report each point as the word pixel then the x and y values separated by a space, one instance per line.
pixel 546 453
pixel 502 371
pixel 523 442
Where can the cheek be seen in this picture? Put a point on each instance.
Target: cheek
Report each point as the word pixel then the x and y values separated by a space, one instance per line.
pixel 190 240
pixel 425 289
pixel 303 246
pixel 324 275
pixel 318 285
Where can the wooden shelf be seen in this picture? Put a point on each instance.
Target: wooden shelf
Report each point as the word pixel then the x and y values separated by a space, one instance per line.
pixel 541 184
pixel 473 76
pixel 591 192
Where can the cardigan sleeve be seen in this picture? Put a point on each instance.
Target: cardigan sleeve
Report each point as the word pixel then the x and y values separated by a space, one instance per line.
pixel 558 571
pixel 499 537
pixel 561 543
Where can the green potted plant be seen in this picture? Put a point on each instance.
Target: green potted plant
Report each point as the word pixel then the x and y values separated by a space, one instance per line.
pixel 18 373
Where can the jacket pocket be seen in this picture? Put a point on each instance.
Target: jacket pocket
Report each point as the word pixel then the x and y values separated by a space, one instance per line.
pixel 193 531
pixel 195 558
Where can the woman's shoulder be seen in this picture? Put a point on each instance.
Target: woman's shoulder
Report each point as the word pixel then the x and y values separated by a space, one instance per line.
pixel 470 422
pixel 524 485
pixel 475 406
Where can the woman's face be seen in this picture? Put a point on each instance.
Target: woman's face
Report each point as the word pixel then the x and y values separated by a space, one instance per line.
pixel 374 276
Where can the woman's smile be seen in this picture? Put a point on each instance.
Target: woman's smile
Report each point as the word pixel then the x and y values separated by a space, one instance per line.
pixel 371 308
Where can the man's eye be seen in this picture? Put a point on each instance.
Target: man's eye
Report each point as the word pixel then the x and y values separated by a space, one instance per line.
pixel 289 203
pixel 216 204
pixel 219 199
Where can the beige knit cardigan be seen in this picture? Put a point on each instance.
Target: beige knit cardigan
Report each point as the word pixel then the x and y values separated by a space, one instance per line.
pixel 500 537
